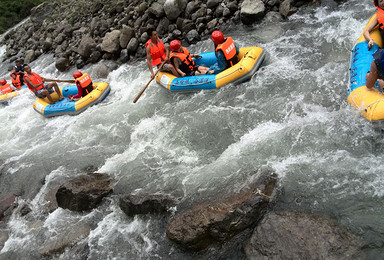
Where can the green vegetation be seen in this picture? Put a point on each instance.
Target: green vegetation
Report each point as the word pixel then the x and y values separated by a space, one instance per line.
pixel 14 11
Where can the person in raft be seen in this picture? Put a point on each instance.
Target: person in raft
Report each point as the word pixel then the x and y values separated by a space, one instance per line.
pixel 16 80
pixel 35 84
pixel 183 61
pixel 378 20
pixel 377 70
pixel 5 88
pixel 19 70
pixel 84 85
pixel 226 52
pixel 157 53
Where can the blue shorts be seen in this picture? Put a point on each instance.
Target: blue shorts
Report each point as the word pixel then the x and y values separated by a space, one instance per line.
pixel 379 61
pixel 39 93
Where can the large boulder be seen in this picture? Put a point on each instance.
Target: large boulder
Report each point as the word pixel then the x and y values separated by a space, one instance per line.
pixel 287 8
pixel 127 33
pixel 173 8
pixel 6 203
pixel 84 192
pixel 133 45
pixel 292 235
pixel 111 42
pixel 86 46
pixel 251 11
pixel 211 223
pixel 157 10
pixel 62 64
pixel 29 56
pixel 133 205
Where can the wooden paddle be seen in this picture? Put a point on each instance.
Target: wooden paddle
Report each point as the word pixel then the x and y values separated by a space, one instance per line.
pixel 142 91
pixel 61 80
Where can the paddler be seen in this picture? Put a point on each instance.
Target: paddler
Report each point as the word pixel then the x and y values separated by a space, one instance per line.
pixel 5 88
pixel 16 80
pixel 84 85
pixel 183 61
pixel 226 52
pixel 35 84
pixel 157 53
pixel 378 20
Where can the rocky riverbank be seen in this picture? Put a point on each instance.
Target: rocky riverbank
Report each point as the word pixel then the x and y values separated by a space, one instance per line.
pixel 82 32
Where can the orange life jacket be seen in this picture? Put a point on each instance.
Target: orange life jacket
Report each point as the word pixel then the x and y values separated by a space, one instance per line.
pixel 6 88
pixel 157 51
pixel 187 63
pixel 380 17
pixel 35 79
pixel 229 50
pixel 16 82
pixel 86 83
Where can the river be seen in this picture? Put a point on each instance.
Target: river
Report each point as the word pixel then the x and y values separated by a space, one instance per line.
pixel 291 117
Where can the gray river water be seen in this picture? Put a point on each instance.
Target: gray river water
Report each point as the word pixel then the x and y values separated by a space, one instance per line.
pixel 292 117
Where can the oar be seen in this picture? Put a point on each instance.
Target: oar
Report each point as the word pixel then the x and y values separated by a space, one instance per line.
pixel 142 91
pixel 61 80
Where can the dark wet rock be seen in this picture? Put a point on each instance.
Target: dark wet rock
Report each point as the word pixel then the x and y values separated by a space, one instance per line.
pixel 126 35
pixel 193 36
pixel 157 10
pixel 162 28
pixel 132 46
pixel 84 192
pixel 29 56
pixel 212 223
pixel 124 56
pixel 64 239
pixel 87 45
pixel 7 203
pixel 213 3
pixel 101 71
pixel 111 42
pixel 173 9
pixel 287 8
pixel 95 56
pixel 4 235
pixel 133 205
pixel 252 11
pixel 292 235
pixel 40 12
pixel 50 198
pixel 62 64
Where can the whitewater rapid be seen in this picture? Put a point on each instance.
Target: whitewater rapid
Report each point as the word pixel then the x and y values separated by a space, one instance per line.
pixel 291 117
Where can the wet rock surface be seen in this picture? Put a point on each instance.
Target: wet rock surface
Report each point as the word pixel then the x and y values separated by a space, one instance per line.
pixel 145 204
pixel 293 235
pixel 84 192
pixel 212 223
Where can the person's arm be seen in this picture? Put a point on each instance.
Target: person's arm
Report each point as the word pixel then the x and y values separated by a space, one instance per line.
pixel 149 59
pixel 367 32
pixel 79 92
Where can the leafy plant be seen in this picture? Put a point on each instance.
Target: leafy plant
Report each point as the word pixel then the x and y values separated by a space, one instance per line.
pixel 14 11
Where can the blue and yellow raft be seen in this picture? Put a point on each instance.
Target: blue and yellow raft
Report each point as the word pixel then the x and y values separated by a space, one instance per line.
pixel 67 107
pixel 250 59
pixel 370 103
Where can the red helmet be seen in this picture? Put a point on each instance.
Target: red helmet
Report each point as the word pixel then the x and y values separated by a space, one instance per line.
pixel 174 45
pixel 77 74
pixel 12 73
pixel 3 81
pixel 217 37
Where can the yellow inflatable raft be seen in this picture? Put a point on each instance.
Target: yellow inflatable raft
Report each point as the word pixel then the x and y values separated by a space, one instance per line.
pixel 67 107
